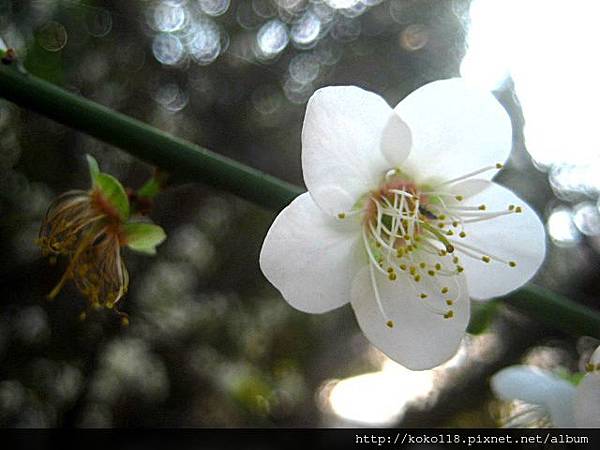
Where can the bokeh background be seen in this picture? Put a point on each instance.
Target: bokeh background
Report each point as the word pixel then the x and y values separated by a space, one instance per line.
pixel 211 343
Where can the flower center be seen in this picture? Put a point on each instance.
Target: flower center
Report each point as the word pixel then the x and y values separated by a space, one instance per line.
pixel 421 230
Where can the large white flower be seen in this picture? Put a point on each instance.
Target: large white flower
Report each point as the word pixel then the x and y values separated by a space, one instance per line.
pixel 552 397
pixel 401 217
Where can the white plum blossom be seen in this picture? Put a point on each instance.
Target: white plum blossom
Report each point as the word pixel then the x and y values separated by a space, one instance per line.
pixel 401 217
pixel 551 400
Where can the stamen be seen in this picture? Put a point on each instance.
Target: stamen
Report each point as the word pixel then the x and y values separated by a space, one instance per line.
pixel 471 174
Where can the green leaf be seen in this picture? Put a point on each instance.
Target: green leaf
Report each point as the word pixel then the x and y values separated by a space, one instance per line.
pixel 144 237
pixel 94 168
pixel 114 193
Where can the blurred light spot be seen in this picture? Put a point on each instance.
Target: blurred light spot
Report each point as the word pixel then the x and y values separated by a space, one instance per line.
pixel 246 15
pixel 346 29
pixel 289 5
pixel 31 325
pixel 587 218
pixel 264 8
pixel 570 182
pixel 306 31
pixel 191 245
pixel 328 53
pixel 414 37
pixel 354 11
pixel 266 99
pixel 171 97
pixel 168 49
pixel 339 4
pixel 98 22
pixel 127 366
pixel 561 228
pixel 214 7
pixel 205 46
pixel 12 396
pixel 297 93
pixel 169 18
pixel 52 36
pixel 379 398
pixel 371 2
pixel 547 52
pixel 272 38
pixel 304 68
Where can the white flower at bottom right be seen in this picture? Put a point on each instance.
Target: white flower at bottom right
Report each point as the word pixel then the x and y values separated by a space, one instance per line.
pixel 552 398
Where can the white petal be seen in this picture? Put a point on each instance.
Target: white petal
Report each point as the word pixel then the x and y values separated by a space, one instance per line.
pixel 396 141
pixel 310 257
pixel 587 401
pixel 537 387
pixel 342 141
pixel 456 129
pixel 518 237
pixel 420 339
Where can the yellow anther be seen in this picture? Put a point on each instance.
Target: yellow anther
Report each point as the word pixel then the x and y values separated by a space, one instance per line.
pixel 402 266
pixel 431 272
pixel 589 367
pixel 449 302
pixel 462 234
pixel 422 265
pixel 124 321
pixel 441 225
pixel 378 244
pixel 449 315
pixel 423 295
pixel 341 216
pixel 485 259
pixel 390 269
pixel 481 207
pixel 400 253
pixel 442 217
pixel 460 198
pixel 518 209
pixel 455 260
pixel 499 166
pixel 389 324
pixel 450 233
pixel 511 207
pixel 417 278
pixel 444 290
pixel 443 252
pixel 413 270
pixel 406 237
pixel 455 224
pixel 460 269
pixel 449 248
pixel 512 264
pixel 392 276
pixel 438 266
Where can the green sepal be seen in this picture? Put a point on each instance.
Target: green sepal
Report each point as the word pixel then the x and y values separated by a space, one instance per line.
pixel 114 192
pixel 150 188
pixel 144 237
pixel 572 377
pixel 482 315
pixel 93 167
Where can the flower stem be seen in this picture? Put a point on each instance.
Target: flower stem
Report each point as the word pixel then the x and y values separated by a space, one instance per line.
pixel 190 161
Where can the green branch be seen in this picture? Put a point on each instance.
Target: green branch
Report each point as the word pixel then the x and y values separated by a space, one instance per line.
pixel 190 161
pixel 176 156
